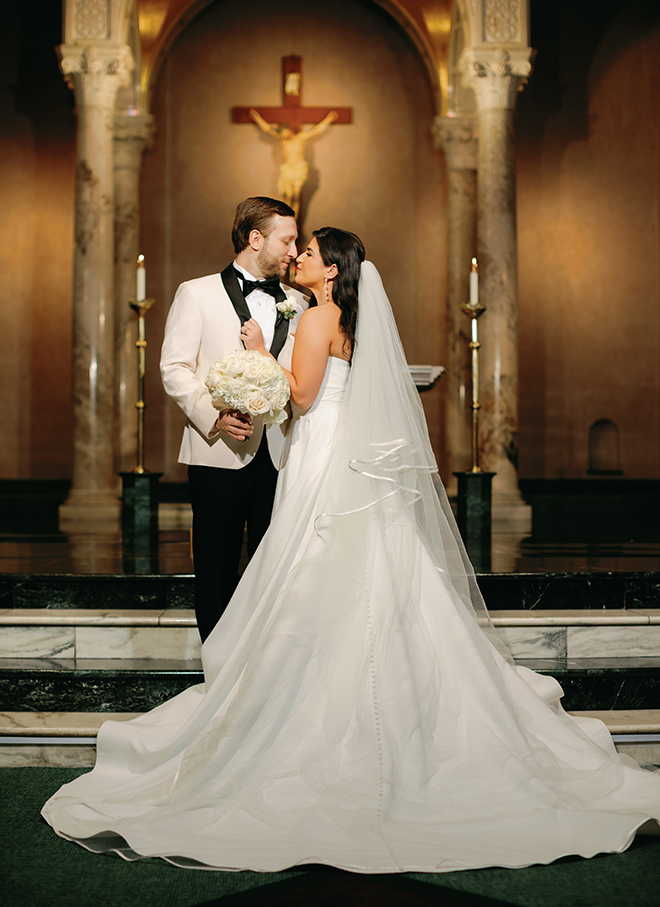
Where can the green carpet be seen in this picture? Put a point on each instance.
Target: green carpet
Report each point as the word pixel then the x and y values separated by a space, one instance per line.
pixel 39 868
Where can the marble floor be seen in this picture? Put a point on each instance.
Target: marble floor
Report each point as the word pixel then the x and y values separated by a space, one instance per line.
pixel 510 553
pixel 89 553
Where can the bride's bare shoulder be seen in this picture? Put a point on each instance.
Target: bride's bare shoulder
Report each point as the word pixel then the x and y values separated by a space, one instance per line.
pixel 319 311
pixel 320 316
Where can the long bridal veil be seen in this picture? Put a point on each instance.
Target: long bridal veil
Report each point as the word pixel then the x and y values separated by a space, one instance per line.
pixel 386 464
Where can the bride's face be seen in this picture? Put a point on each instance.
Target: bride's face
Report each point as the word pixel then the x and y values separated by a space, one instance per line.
pixel 310 268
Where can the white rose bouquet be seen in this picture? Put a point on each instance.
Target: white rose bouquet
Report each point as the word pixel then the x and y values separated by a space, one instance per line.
pixel 251 383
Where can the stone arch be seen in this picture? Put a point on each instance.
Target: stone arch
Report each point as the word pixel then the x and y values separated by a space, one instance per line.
pixel 126 18
pixel 460 100
pixel 165 19
pixel 129 98
pixel 465 15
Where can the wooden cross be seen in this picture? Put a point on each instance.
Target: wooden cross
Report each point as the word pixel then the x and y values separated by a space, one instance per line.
pixel 292 113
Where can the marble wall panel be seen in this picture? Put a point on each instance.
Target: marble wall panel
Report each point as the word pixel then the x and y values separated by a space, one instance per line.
pixel 505 592
pixel 46 755
pixel 604 683
pixel 181 593
pixel 535 642
pixel 93 685
pixel 6 592
pixel 42 690
pixel 116 592
pixel 644 754
pixel 613 642
pixel 643 591
pixel 37 642
pixel 137 642
pixel 581 591
pixel 502 592
pixel 160 689
pixel 57 724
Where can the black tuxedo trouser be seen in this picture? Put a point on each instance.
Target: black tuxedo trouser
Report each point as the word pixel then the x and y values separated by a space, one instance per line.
pixel 223 502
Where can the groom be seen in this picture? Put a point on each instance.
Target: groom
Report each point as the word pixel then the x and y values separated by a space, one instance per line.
pixel 231 459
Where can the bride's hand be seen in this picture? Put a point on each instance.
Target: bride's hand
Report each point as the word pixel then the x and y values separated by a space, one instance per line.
pixel 252 337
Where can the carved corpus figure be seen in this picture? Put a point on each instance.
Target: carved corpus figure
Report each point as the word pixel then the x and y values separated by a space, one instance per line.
pixel 286 123
pixel 294 168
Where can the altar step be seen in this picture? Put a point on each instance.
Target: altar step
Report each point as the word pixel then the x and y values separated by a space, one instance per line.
pixel 508 591
pixel 63 671
pixel 131 660
pixel 120 685
pixel 69 739
pixel 86 634
pixel 122 591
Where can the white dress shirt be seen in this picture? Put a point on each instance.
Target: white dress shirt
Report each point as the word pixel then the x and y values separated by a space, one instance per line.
pixel 262 308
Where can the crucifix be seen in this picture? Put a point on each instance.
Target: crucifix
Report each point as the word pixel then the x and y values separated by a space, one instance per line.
pixel 285 124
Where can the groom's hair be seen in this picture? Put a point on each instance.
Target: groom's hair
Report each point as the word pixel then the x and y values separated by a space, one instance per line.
pixel 256 214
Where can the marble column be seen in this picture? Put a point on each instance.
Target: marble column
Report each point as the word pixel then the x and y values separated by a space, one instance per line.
pixel 94 73
pixel 132 134
pixel 457 136
pixel 496 75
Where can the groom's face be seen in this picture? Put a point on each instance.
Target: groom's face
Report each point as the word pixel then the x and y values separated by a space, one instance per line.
pixel 278 248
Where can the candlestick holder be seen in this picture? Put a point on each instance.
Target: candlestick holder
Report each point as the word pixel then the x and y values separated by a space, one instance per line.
pixel 139 503
pixel 140 307
pixel 474 312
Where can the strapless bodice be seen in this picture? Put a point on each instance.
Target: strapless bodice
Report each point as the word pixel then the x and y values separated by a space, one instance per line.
pixel 310 432
pixel 331 392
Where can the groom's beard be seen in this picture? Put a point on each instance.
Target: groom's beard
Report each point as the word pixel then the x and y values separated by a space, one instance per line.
pixel 270 265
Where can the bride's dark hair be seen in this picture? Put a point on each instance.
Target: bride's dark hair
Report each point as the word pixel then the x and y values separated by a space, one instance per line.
pixel 344 249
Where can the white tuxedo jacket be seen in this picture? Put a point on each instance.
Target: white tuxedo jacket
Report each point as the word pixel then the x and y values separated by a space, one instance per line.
pixel 203 326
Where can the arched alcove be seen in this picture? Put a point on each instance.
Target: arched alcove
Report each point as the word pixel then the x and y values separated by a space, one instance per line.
pixel 379 176
pixel 604 449
pixel 161 21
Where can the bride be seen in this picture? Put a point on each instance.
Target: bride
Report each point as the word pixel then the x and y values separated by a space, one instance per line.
pixel 358 708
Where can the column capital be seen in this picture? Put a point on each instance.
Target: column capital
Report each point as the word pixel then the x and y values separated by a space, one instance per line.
pixel 131 135
pixel 459 139
pixel 95 72
pixel 496 74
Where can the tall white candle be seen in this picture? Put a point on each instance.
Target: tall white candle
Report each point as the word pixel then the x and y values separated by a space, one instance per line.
pixel 141 279
pixel 474 283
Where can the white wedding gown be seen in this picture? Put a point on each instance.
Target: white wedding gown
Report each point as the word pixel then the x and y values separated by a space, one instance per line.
pixel 352 717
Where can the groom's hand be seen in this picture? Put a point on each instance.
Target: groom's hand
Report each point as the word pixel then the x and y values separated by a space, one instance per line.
pixel 234 424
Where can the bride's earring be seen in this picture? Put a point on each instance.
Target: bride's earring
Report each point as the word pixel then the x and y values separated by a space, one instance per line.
pixel 327 295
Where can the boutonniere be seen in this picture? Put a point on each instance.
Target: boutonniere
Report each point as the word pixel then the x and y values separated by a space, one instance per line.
pixel 287 308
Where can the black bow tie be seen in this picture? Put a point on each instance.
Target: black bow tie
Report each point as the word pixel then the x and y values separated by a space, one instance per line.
pixel 271 285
